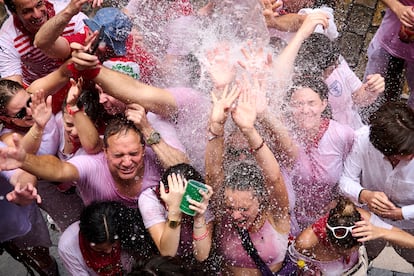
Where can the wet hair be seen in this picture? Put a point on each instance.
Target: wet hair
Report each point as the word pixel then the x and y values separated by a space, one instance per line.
pixel 121 125
pixel 314 82
pixel 8 88
pixel 343 214
pixel 159 266
pixel 246 176
pixel 11 6
pixel 89 101
pixel 316 54
pixel 392 129
pixel 185 170
pixel 100 221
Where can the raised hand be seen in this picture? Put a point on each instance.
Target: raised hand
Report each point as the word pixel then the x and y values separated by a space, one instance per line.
pixel 81 58
pixel 223 103
pixel 136 113
pixel 244 115
pixel 374 86
pixel 219 65
pixel 257 63
pixel 176 189
pixel 74 91
pixel 41 109
pixel 310 23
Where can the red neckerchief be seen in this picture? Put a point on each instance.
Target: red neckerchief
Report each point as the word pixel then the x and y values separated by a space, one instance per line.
pixel 50 13
pixel 313 143
pixel 103 264
pixel 319 229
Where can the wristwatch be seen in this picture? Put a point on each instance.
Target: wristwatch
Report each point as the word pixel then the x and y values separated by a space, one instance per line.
pixel 154 138
pixel 173 223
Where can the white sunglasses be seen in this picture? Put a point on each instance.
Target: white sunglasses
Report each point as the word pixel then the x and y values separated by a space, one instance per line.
pixel 340 232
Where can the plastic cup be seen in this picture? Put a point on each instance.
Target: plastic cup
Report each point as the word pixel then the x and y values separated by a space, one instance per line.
pixel 192 192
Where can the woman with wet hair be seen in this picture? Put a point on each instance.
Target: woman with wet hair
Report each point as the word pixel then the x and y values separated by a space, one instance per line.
pixel 174 232
pixel 95 249
pixel 319 146
pixel 328 245
pixel 252 204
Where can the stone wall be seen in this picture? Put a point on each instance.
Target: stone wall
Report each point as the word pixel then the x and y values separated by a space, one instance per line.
pixel 357 21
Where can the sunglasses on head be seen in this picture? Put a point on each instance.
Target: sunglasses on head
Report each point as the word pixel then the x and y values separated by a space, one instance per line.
pixel 340 232
pixel 22 112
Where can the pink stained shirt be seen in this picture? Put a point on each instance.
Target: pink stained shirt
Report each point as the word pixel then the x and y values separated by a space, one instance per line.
pixel 342 84
pixel 316 173
pixel 387 36
pixel 270 244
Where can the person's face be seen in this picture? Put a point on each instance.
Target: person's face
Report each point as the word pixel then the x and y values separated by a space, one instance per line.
pixel 104 247
pixel 307 108
pixel 112 105
pixel 70 128
pixel 18 112
pixel 32 14
pixel 125 155
pixel 242 206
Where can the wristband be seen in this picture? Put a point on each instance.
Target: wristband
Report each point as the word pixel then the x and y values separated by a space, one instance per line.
pixel 201 237
pixel 213 135
pixel 258 148
pixel 88 74
pixel 72 69
pixel 72 109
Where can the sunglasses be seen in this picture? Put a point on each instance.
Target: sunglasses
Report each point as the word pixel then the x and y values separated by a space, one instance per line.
pixel 22 112
pixel 340 232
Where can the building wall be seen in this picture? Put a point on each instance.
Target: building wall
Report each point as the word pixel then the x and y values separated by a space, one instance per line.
pixel 357 21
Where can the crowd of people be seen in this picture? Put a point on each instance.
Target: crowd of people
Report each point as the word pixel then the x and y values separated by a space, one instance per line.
pixel 109 117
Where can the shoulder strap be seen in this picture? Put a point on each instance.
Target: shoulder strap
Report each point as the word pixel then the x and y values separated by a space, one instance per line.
pixel 252 251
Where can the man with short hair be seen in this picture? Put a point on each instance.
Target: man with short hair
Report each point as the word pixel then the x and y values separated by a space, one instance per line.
pixel 379 171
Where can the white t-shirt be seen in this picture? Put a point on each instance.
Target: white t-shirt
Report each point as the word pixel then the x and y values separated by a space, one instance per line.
pixel 342 83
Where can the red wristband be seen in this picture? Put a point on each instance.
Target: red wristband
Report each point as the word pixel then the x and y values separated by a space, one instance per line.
pixel 201 237
pixel 90 74
pixel 74 72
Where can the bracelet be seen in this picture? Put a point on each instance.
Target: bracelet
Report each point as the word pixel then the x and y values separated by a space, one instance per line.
pixel 34 136
pixel 199 226
pixel 258 148
pixel 213 135
pixel 201 237
pixel 72 109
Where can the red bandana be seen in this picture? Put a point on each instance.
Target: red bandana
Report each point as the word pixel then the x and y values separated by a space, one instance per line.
pixel 102 263
pixel 313 143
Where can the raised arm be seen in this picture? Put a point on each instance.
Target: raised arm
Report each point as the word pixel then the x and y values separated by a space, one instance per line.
pixel 49 38
pixel 215 146
pixel 284 64
pixel 87 132
pixel 166 154
pixel 369 91
pixel 46 167
pixel 41 109
pixel 124 87
pixel 244 116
